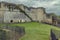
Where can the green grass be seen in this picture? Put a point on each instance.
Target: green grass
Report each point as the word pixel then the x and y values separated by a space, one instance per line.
pixel 36 31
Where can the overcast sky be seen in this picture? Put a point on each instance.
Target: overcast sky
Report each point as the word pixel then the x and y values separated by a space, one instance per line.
pixel 50 5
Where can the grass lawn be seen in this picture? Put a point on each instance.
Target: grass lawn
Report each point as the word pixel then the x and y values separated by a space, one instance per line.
pixel 36 31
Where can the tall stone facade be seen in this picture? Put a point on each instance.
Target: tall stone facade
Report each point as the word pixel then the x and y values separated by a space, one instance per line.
pixel 37 14
pixel 20 13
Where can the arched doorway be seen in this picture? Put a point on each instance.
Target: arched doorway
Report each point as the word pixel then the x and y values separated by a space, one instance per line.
pixel 11 21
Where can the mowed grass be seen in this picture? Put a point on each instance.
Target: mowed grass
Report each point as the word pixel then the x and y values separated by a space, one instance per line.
pixel 36 31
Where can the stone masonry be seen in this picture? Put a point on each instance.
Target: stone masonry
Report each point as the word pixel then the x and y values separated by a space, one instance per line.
pixel 20 13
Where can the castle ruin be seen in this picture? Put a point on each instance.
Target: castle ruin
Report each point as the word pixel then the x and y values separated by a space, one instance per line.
pixel 13 13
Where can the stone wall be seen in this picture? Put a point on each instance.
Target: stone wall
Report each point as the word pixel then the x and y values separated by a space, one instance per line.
pixel 15 16
pixel 6 16
pixel 55 34
pixel 11 33
pixel 40 14
pixel 2 11
pixel 36 14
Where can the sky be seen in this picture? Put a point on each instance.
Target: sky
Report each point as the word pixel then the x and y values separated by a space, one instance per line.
pixel 51 6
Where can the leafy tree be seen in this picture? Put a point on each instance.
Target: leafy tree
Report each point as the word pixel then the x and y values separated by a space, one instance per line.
pixel 53 14
pixel 59 16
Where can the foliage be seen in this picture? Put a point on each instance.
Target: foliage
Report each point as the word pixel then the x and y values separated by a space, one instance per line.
pixel 53 14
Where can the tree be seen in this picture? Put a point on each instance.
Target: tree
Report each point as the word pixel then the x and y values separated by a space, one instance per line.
pixel 53 14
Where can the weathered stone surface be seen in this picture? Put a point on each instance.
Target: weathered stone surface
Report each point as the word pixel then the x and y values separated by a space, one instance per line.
pixel 55 34
pixel 13 12
pixel 11 33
